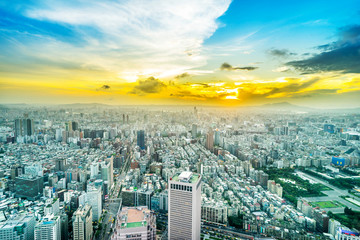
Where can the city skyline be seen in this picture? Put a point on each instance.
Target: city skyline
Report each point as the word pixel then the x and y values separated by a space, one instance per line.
pixel 222 53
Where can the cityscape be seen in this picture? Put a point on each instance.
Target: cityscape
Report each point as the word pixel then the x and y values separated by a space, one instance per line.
pixel 91 171
pixel 179 120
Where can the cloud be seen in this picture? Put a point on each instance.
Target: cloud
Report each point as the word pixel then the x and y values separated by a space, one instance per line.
pixel 342 55
pixel 183 75
pixel 228 67
pixel 104 87
pixel 149 85
pixel 282 69
pixel 281 53
pixel 122 36
pixel 293 87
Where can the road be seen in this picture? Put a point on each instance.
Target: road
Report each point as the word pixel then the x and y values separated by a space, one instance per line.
pixel 113 203
pixel 227 232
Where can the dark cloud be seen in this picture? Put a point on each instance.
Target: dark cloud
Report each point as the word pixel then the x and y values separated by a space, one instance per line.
pixel 342 55
pixel 149 85
pixel 183 75
pixel 228 67
pixel 199 96
pixel 103 88
pixel 280 52
pixel 293 87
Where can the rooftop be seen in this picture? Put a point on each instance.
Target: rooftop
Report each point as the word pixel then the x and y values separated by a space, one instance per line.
pixel 186 177
pixel 134 217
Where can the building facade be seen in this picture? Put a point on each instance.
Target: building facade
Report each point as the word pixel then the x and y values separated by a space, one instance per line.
pixel 82 223
pixel 184 211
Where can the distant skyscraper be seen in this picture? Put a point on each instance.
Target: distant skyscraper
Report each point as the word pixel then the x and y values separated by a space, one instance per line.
pixel 107 172
pixel 48 229
pixel 217 137
pixel 123 118
pixel 210 141
pixel 135 223
pixel 24 127
pixel 82 223
pixel 184 206
pixel 194 131
pixel 141 139
pixel 60 164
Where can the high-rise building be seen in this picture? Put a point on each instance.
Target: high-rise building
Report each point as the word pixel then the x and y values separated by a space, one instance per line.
pixel 217 137
pixel 215 212
pixel 141 139
pixel 48 229
pixel 20 227
pixel 94 169
pixel 29 187
pixel 64 225
pixel 82 223
pixel 184 206
pixel 60 164
pixel 210 141
pixel 194 131
pixel 24 127
pixel 93 197
pixel 135 223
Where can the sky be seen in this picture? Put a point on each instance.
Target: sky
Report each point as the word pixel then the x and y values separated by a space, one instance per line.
pixel 196 52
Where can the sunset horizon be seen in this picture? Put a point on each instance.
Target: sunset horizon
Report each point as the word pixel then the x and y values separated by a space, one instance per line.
pixel 197 52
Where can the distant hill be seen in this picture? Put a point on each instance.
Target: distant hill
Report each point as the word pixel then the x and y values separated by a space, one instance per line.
pixel 285 106
pixel 84 105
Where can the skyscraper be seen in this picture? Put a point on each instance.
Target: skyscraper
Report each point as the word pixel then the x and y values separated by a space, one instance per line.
pixel 82 223
pixel 194 131
pixel 210 141
pixel 141 139
pixel 24 127
pixel 93 197
pixel 217 137
pixel 184 206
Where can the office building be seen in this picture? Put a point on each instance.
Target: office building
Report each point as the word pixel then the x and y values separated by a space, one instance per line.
pixel 24 127
pixel 93 197
pixel 29 187
pixel 135 223
pixel 48 229
pixel 194 131
pixel 210 141
pixel 82 223
pixel 184 211
pixel 215 212
pixel 141 139
pixel 21 227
